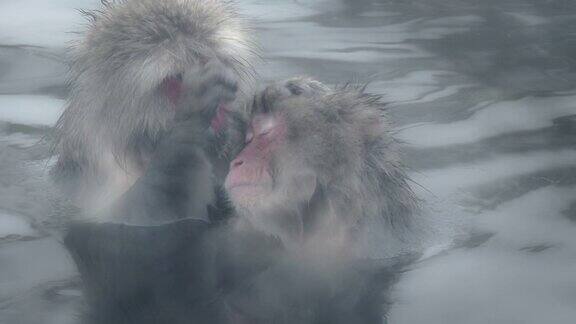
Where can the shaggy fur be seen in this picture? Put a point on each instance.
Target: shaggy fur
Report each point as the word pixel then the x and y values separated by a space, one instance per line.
pixel 344 137
pixel 116 113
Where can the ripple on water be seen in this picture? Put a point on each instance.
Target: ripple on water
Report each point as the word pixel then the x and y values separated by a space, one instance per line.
pixel 30 109
pixel 475 85
pixel 525 114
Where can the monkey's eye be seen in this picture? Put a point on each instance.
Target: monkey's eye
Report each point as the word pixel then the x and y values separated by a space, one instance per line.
pixel 262 127
pixel 266 127
pixel 265 132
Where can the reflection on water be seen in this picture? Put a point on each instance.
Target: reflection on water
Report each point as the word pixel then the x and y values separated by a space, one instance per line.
pixel 483 95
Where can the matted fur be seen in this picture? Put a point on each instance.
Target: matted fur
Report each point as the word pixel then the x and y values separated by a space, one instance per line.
pixel 115 114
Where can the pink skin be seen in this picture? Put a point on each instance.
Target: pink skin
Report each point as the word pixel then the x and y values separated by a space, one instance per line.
pixel 249 174
pixel 172 89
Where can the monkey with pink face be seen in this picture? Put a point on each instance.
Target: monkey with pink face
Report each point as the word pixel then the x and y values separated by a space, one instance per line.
pixel 144 146
pixel 321 172
pixel 320 164
pixel 149 84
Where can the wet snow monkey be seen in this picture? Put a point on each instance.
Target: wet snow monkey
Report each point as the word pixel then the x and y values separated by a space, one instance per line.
pixel 315 186
pixel 321 172
pixel 148 79
pixel 321 168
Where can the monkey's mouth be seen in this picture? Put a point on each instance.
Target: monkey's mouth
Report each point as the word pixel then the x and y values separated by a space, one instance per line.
pixel 172 88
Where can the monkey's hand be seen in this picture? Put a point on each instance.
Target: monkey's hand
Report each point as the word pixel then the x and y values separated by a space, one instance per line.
pixel 212 88
pixel 178 183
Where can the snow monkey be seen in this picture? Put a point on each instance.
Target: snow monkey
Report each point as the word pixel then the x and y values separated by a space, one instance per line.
pixel 317 172
pixel 318 165
pixel 147 78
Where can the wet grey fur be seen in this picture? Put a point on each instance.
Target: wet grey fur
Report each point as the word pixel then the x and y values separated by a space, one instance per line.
pixel 347 138
pixel 116 115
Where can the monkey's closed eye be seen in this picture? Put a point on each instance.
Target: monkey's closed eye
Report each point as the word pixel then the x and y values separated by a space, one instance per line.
pixel 265 132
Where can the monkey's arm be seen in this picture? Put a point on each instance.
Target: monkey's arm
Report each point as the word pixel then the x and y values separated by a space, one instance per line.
pixel 161 273
pixel 177 183
pixel 145 275
pixel 178 180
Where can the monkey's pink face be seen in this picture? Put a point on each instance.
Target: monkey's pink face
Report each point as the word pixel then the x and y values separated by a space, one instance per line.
pixel 250 178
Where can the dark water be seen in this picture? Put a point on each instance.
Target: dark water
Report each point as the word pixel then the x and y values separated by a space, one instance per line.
pixel 483 93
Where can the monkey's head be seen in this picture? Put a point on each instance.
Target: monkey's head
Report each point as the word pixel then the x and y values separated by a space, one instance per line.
pixel 160 48
pixel 318 160
pixel 139 65
pixel 143 59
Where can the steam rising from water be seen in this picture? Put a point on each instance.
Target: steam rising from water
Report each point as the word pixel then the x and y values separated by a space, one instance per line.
pixel 483 91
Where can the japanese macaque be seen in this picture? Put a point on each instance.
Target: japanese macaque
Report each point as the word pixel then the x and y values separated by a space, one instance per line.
pixel 320 168
pixel 146 69
pixel 321 171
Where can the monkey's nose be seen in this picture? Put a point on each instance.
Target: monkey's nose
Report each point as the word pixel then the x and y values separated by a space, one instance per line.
pixel 236 163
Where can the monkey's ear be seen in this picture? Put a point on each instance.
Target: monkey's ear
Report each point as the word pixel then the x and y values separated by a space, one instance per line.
pixel 363 110
pixel 376 123
pixel 294 87
pixel 305 86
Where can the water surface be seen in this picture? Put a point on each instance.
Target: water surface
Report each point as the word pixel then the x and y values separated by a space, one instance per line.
pixel 482 92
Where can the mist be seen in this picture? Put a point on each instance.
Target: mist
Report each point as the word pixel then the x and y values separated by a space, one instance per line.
pixel 482 94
